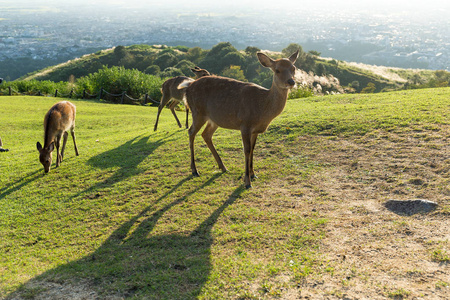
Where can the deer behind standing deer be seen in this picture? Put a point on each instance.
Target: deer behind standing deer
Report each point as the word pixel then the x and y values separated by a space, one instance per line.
pixel 170 91
pixel 228 103
pixel 57 122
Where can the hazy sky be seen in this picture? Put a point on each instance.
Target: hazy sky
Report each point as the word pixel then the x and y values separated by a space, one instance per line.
pixel 239 4
pixel 415 11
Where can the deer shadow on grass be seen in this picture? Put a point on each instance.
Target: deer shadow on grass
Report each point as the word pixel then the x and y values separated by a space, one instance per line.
pixel 126 158
pixel 19 184
pixel 136 261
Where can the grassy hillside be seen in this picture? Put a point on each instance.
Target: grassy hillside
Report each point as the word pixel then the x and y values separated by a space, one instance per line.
pixel 348 73
pixel 86 64
pixel 125 219
pixel 142 56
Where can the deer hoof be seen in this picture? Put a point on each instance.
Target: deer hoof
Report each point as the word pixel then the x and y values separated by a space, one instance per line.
pixel 253 177
pixel 249 186
pixel 195 174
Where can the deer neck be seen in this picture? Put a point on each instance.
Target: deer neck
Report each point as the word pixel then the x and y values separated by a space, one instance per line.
pixel 277 99
pixel 48 139
pixel 49 135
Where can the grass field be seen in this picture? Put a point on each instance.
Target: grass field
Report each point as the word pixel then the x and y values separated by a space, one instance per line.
pixel 125 219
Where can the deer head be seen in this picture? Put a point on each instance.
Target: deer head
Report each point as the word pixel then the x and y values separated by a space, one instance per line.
pixel 200 72
pixel 283 69
pixel 45 155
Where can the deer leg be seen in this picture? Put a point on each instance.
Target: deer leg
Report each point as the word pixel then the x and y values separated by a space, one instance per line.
pixel 66 134
pixel 193 130
pixel 187 117
pixel 163 103
pixel 157 117
pixel 72 132
pixel 172 109
pixel 58 155
pixel 246 141
pixel 207 136
pixel 253 143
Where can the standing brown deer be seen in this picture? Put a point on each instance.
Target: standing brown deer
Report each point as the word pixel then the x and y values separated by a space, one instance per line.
pixel 57 122
pixel 232 104
pixel 170 91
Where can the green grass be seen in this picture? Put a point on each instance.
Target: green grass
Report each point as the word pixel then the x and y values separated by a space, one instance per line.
pixel 126 218
pixel 398 294
pixel 440 255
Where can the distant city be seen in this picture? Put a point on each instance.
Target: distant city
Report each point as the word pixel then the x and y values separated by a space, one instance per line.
pixel 406 40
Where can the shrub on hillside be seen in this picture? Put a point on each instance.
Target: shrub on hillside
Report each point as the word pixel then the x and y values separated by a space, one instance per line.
pixel 152 70
pixel 171 72
pixel 45 87
pixel 116 80
pixel 185 66
pixel 370 88
pixel 221 56
pixel 300 92
pixel 234 72
pixel 440 78
pixel 165 60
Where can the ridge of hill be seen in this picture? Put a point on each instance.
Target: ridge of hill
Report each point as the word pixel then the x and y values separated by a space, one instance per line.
pixel 172 61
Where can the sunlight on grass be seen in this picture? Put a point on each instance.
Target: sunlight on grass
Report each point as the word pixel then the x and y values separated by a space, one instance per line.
pixel 126 218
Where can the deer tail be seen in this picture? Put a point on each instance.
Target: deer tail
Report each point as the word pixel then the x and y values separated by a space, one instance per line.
pixel 183 86
pixel 185 83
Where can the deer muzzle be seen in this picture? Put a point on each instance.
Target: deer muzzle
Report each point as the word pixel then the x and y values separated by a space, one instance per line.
pixel 291 83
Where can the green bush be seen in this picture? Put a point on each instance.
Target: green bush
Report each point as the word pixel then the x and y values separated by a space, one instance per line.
pixel 165 60
pixel 300 93
pixel 185 66
pixel 370 88
pixel 45 87
pixel 171 72
pixel 152 70
pixel 116 80
pixel 234 72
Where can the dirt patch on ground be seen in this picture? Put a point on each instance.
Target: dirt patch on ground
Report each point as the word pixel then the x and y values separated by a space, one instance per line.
pixel 369 251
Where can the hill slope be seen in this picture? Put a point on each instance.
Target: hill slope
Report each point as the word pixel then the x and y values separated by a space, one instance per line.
pixel 126 219
pixel 143 56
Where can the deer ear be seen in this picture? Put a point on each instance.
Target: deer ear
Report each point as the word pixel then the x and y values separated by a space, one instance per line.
pixel 265 60
pixel 293 57
pixel 39 146
pixel 51 147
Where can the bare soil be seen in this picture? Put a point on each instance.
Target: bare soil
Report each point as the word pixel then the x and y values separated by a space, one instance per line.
pixel 371 252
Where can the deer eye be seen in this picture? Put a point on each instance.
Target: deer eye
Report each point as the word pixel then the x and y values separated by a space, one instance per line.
pixel 277 71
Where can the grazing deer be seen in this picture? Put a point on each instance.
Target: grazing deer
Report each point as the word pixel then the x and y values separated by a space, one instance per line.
pixel 170 91
pixel 57 122
pixel 232 104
